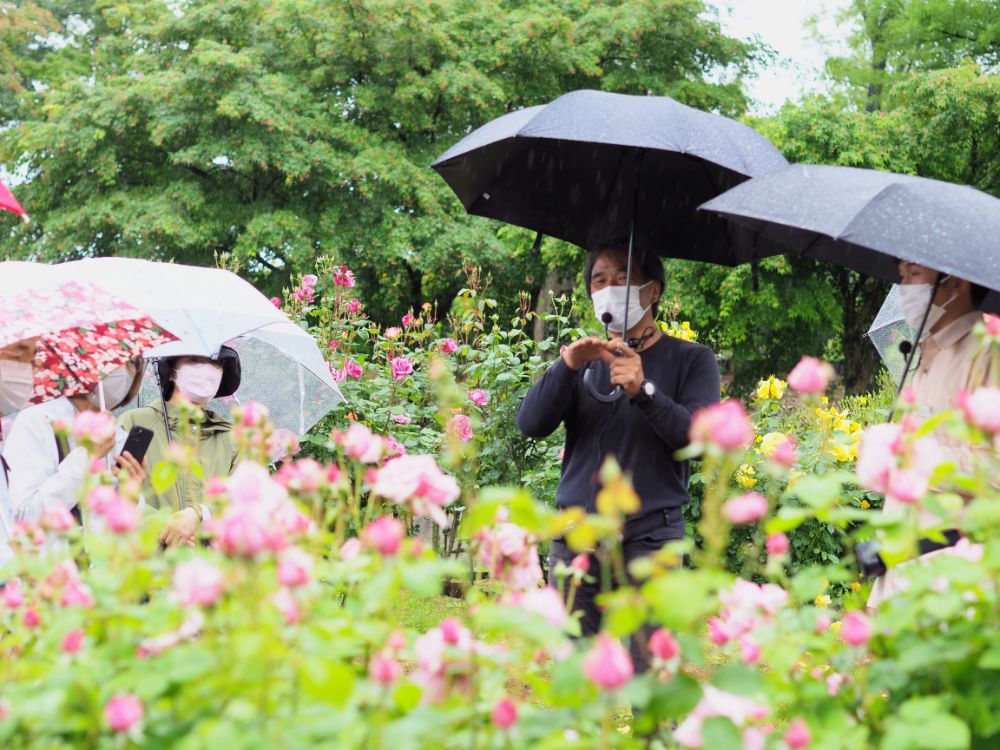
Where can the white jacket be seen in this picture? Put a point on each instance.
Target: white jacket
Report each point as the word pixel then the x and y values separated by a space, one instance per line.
pixel 37 479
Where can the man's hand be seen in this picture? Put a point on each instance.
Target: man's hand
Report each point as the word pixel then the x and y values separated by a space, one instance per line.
pixel 134 471
pixel 582 351
pixel 181 528
pixel 625 365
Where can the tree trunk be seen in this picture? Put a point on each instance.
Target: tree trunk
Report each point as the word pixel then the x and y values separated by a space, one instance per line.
pixel 554 285
pixel 416 288
pixel 861 297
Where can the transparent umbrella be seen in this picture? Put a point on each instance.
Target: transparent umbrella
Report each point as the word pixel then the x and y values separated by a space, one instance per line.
pixel 888 331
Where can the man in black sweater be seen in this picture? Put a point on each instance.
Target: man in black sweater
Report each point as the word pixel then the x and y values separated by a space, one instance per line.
pixel 665 381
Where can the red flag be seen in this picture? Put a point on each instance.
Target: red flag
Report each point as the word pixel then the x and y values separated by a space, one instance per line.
pixel 9 203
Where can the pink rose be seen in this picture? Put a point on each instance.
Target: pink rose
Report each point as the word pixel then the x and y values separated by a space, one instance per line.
pixel 452 631
pixel 361 444
pixel 384 669
pixel 401 418
pixel 907 485
pixel 31 618
pixel 350 549
pixel 197 583
pixel 353 305
pixel 396 641
pixel 286 604
pixel 93 427
pixel 777 544
pixel 797 735
pixel 244 532
pixel 252 414
pixel 294 567
pixel 121 515
pixel 746 508
pixel 101 497
pixel 122 712
pixel 343 277
pixel 724 425
pixel 276 301
pixel 546 602
pixel 461 427
pixel 309 280
pixel 810 375
pixel 449 345
pixel 393 447
pixel 982 408
pixel 478 397
pixel 749 650
pixel 663 645
pixel 417 482
pixel 877 455
pixel 504 714
pixel 57 518
pixel 353 369
pixel 607 665
pixel 393 332
pixel 992 323
pixel 581 563
pixel 384 534
pixel 12 595
pixel 77 594
pixel 408 320
pixel 401 367
pixel 855 629
pixel 784 453
pixel 72 642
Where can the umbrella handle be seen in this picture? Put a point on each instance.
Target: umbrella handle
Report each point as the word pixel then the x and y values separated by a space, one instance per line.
pixel 609 398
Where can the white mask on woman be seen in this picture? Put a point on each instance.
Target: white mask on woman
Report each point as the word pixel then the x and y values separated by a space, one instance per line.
pixel 116 385
pixel 611 300
pixel 199 382
pixel 913 302
pixel 17 385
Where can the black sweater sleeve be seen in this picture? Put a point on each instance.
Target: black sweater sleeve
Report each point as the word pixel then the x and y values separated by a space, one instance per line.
pixel 670 419
pixel 547 402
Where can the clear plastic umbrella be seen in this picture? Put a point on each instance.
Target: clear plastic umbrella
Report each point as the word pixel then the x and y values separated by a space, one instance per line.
pixel 888 331
pixel 206 308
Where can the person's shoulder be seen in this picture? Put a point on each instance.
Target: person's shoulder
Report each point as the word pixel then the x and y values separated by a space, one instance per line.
pixel 673 346
pixel 143 416
pixel 59 409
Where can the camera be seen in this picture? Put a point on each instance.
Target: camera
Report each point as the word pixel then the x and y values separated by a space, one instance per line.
pixel 870 562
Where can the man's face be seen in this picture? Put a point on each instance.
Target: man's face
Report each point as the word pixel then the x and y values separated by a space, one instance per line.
pixel 22 351
pixel 611 269
pixel 914 273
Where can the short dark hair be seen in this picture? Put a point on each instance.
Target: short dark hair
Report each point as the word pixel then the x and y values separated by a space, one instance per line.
pixel 978 294
pixel 651 266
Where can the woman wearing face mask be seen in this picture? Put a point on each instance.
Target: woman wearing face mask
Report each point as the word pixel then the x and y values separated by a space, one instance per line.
pixel 665 380
pixel 947 363
pixel 196 380
pixel 17 386
pixel 47 472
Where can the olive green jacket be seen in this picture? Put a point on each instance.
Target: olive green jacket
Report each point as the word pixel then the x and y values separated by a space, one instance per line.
pixel 217 452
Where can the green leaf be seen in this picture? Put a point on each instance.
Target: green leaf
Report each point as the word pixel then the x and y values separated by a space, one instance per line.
pixel 719 733
pixel 163 477
pixel 738 679
pixel 327 681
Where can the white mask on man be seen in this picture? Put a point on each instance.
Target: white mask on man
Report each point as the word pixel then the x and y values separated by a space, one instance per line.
pixel 199 382
pixel 116 385
pixel 17 385
pixel 611 300
pixel 913 302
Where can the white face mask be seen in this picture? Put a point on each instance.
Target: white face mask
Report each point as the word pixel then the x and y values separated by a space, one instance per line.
pixel 611 300
pixel 913 301
pixel 17 385
pixel 199 382
pixel 116 385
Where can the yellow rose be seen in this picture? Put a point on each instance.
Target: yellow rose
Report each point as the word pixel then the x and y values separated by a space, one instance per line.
pixel 823 600
pixel 744 476
pixel 865 505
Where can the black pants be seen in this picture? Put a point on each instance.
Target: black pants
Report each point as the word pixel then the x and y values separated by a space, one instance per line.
pixel 649 538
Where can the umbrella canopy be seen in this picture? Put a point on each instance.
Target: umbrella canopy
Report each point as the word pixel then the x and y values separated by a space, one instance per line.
pixel 9 203
pixel 888 331
pixel 83 331
pixel 865 220
pixel 590 165
pixel 208 307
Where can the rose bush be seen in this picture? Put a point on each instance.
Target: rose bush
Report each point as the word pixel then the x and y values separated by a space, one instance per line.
pixel 283 628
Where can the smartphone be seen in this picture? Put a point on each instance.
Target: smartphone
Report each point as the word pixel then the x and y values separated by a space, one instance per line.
pixel 137 442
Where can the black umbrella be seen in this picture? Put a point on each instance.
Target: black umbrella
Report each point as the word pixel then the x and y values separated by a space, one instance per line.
pixel 867 220
pixel 592 166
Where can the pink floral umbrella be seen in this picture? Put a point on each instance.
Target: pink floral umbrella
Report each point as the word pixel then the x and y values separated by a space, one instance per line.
pixel 83 332
pixel 9 203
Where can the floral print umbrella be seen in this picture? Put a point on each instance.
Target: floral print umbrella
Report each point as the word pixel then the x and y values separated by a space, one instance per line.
pixel 83 332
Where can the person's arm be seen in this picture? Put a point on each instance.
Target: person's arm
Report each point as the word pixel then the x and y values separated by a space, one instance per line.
pixel 670 419
pixel 546 403
pixel 37 479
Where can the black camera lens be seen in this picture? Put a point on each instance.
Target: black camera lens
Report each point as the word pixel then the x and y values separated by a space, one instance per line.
pixel 870 563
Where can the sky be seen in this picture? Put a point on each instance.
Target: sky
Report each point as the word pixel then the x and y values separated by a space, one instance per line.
pixel 782 24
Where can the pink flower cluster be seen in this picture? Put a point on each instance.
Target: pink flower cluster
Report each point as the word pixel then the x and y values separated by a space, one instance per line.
pixel 351 369
pixel 306 291
pixel 306 476
pixel 362 444
pixel 545 602
pixel 460 427
pixel 197 583
pixel 810 375
pixel 738 709
pixel 93 427
pixel 417 482
pixel 607 664
pixel 401 367
pixel 343 277
pixel 259 517
pixel 122 712
pixel 384 667
pixel 890 461
pixel 509 555
pixel 445 660
pixel 746 508
pixel 449 345
pixel 982 409
pixel 479 397
pixel 725 426
pixel 384 534
pixel 745 607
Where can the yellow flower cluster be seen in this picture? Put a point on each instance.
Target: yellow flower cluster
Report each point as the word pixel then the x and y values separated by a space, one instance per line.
pixel 847 433
pixel 681 330
pixel 769 443
pixel 745 476
pixel 772 388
